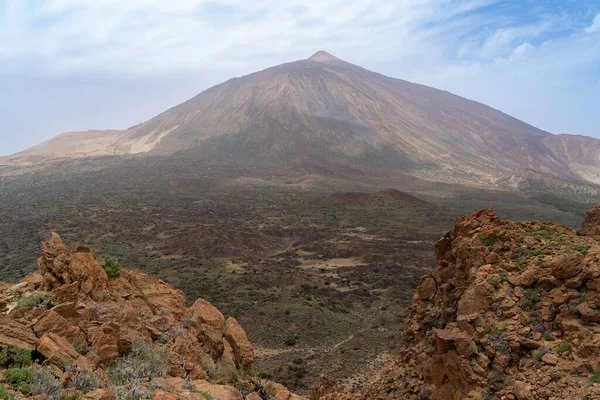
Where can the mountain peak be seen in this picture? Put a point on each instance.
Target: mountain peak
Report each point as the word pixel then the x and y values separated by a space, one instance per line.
pixel 323 56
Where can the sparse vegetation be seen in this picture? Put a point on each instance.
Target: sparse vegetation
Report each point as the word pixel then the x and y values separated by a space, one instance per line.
pixel 14 357
pixel 529 302
pixel 493 283
pixel 36 299
pixel 111 266
pixel 19 378
pixel 563 348
pixel 145 362
pixel 44 382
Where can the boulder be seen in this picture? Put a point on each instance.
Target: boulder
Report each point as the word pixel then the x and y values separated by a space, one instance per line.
pixel 13 333
pixel 162 395
pixel 57 350
pixel 567 267
pixel 223 392
pixel 52 322
pixel 162 297
pixel 78 271
pixel 241 346
pixel 591 222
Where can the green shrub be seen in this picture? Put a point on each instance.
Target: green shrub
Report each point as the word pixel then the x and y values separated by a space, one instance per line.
pixel 493 283
pixel 563 348
pixel 37 300
pixel 14 357
pixel 494 238
pixel 112 267
pixel 19 378
pixel 4 395
pixel 595 378
pixel 583 249
pixel 529 302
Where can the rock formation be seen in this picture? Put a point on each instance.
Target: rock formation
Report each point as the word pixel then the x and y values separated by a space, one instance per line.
pixel 132 335
pixel 511 312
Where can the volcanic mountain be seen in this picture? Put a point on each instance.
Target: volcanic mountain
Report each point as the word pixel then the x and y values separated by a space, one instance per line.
pixel 323 108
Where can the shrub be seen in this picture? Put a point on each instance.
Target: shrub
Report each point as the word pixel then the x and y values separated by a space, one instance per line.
pixel 595 378
pixel 493 283
pixel 497 381
pixel 529 302
pixel 19 378
pixel 132 392
pixel 85 381
pixel 494 238
pixel 583 249
pixel 4 395
pixel 146 361
pixel 539 353
pixel 112 267
pixel 14 357
pixel 44 382
pixel 207 396
pixel 563 348
pixel 290 341
pixel 37 300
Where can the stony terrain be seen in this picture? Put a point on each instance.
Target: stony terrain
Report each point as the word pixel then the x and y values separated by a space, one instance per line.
pixel 511 312
pixel 80 328
pixel 318 277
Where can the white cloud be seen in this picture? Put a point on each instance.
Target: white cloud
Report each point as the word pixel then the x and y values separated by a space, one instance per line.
pixel 151 35
pixel 595 26
pixel 523 49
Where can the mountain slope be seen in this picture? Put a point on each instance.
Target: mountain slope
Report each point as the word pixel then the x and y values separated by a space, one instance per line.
pixel 325 109
pixel 324 106
pixel 93 143
pixel 580 153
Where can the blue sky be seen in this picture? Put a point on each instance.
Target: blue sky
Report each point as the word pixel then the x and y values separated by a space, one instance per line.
pixel 91 64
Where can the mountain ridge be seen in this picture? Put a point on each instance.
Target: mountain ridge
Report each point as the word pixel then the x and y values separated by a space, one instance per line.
pixel 324 107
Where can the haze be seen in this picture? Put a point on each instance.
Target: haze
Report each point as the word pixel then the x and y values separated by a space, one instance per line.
pixel 81 64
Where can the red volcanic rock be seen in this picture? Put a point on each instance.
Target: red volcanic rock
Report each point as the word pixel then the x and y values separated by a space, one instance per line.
pixel 95 321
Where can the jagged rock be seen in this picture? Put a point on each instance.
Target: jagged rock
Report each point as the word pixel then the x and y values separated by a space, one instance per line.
pixel 106 319
pixel 57 350
pixel 58 267
pixel 591 222
pixel 241 346
pixel 324 386
pixel 210 324
pixel 510 307
pixel 52 322
pixel 13 333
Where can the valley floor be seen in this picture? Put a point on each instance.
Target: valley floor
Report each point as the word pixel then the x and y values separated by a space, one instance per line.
pixel 318 283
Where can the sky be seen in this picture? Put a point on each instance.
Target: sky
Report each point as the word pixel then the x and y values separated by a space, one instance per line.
pixel 96 64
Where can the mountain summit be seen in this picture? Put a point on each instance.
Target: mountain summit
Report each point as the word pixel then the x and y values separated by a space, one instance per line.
pixel 323 108
pixel 323 56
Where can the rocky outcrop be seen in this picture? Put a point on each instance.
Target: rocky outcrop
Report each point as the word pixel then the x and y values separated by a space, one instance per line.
pixel 77 319
pixel 511 312
pixel 591 222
